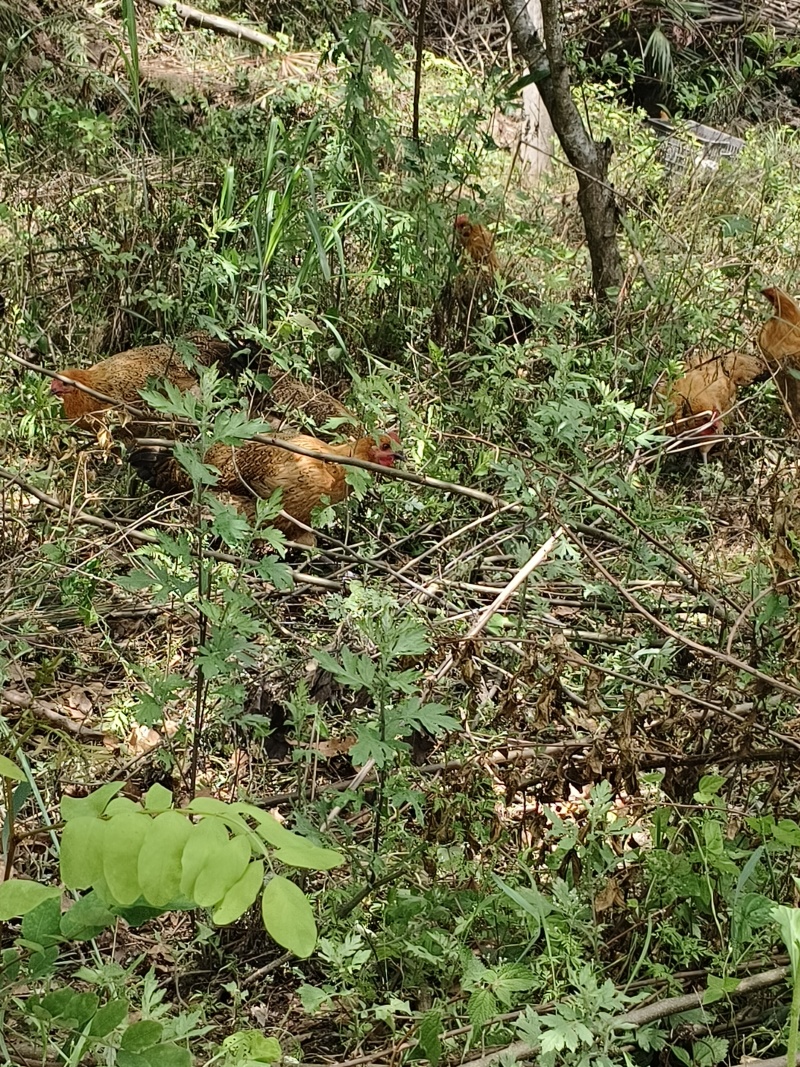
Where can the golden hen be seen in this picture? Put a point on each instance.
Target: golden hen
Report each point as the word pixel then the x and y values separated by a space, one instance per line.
pixel 121 378
pixel 779 340
pixel 699 402
pixel 478 243
pixel 255 470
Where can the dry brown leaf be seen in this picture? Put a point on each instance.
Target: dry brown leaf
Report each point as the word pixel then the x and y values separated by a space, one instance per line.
pixel 609 896
pixel 142 739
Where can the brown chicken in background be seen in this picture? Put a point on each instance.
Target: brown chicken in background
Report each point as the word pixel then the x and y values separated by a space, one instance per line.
pixel 121 377
pixel 478 243
pixel 779 340
pixel 699 402
pixel 255 470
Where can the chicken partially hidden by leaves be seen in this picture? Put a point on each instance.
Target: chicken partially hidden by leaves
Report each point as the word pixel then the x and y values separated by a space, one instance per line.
pixel 779 340
pixel 123 376
pixel 478 243
pixel 699 402
pixel 255 470
pixel 479 288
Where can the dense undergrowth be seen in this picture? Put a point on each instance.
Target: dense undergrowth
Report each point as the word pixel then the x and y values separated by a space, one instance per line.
pixel 582 798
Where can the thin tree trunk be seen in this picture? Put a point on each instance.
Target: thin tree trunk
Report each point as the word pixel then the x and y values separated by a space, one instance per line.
pixel 589 158
pixel 537 142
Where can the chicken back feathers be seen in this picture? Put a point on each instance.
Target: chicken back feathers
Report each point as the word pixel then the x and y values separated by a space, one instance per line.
pixel 121 378
pixel 255 470
pixel 779 340
pixel 699 402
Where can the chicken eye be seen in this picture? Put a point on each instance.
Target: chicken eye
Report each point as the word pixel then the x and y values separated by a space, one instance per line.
pixel 385 447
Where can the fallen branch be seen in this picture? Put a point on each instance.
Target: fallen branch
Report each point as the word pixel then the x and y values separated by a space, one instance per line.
pixel 450 660
pixel 217 23
pixel 148 538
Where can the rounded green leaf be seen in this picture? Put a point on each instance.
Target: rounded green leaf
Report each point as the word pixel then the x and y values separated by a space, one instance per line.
pixel 159 866
pixel 168 1055
pixel 87 918
pixel 207 839
pixel 9 769
pixel 122 804
pixel 108 1018
pixel 82 852
pixel 95 804
pixel 157 798
pixel 124 837
pixel 241 895
pixel 301 853
pixel 217 877
pixel 268 826
pixel 141 1035
pixel 288 917
pixel 19 896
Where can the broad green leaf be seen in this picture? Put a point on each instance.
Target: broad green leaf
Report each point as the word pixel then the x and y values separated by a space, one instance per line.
pixel 226 812
pixel 787 832
pixel 194 466
pixel 124 837
pixel 19 896
pixel 83 1008
pixel 159 866
pixel 87 918
pixel 123 806
pixel 140 913
pixel 168 1055
pixel 9 769
pixel 288 917
pixel 112 1014
pixel 207 839
pixel 301 853
pixel 481 1006
pixel 141 1035
pixel 95 804
pixel 216 878
pixel 719 988
pixel 82 841
pixel 251 1045
pixel 268 826
pixel 157 798
pixel 42 925
pixel 241 895
pixel 131 1059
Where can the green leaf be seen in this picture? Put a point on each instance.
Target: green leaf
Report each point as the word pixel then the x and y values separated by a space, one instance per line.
pixel 787 832
pixel 268 826
pixel 169 1055
pixel 429 1036
pixel 159 866
pixel 241 896
pixel 194 466
pixel 87 918
pixel 288 917
pixel 207 841
pixel 251 1045
pixel 157 798
pixel 93 805
pixel 9 769
pixel 112 1014
pixel 301 853
pixel 82 841
pixel 124 837
pixel 83 1008
pixel 42 925
pixel 19 896
pixel 719 988
pixel 217 877
pixel 141 1035
pixel 481 1006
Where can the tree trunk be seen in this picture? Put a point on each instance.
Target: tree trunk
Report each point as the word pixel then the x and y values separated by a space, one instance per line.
pixel 589 158
pixel 537 142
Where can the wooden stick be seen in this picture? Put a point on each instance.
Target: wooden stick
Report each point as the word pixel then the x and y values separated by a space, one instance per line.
pixel 217 23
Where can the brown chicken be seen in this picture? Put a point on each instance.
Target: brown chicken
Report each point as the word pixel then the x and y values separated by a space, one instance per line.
pixel 478 243
pixel 779 340
pixel 254 470
pixel 699 402
pixel 121 377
